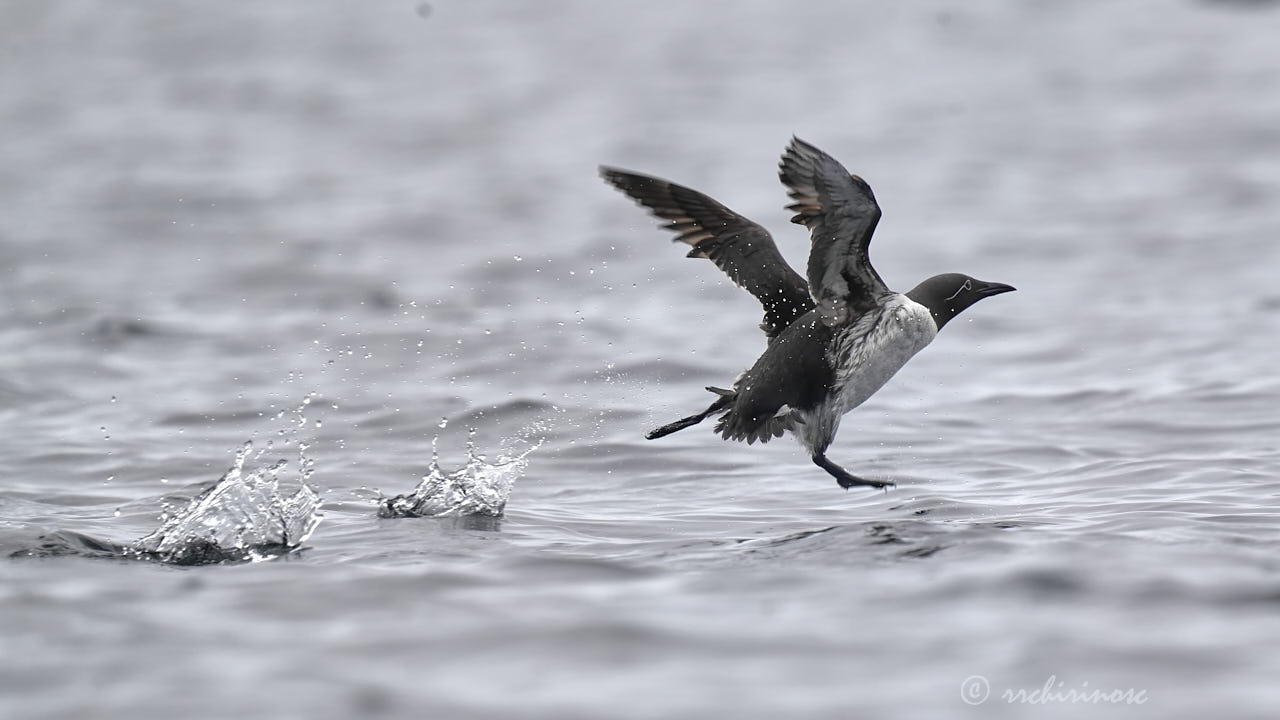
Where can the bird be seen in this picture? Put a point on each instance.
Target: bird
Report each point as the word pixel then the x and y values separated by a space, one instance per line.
pixel 835 336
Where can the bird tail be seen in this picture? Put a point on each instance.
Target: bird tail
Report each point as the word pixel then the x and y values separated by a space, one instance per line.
pixel 738 424
pixel 726 397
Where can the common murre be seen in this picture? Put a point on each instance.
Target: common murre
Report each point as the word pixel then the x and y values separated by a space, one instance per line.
pixel 833 340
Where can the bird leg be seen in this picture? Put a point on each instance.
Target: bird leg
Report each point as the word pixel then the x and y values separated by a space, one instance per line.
pixel 844 477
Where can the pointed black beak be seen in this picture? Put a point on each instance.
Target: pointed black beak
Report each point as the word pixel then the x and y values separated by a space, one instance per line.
pixel 987 289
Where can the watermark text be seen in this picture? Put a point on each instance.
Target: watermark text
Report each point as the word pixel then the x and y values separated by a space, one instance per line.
pixel 976 690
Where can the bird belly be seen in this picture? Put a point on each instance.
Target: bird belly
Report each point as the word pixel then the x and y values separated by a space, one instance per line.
pixel 864 356
pixel 876 348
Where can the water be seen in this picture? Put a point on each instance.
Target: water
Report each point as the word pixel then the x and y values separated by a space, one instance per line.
pixel 479 489
pixel 210 215
pixel 241 517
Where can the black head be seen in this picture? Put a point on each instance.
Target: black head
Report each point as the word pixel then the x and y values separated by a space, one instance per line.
pixel 947 294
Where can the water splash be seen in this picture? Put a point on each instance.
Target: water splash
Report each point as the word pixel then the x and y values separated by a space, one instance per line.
pixel 242 517
pixel 478 489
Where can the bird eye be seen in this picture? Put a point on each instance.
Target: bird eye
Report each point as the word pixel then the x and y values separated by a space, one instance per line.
pixel 968 285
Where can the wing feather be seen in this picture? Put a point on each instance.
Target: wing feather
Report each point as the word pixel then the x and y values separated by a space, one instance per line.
pixel 841 213
pixel 741 248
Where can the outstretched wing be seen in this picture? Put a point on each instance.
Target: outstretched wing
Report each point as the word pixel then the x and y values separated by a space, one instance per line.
pixel 742 249
pixel 841 214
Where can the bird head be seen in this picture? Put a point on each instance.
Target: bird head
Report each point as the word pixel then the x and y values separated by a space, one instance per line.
pixel 948 294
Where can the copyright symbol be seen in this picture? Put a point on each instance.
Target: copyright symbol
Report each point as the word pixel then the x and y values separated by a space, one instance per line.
pixel 974 690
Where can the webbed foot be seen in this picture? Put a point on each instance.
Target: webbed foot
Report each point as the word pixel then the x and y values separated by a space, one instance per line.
pixel 845 478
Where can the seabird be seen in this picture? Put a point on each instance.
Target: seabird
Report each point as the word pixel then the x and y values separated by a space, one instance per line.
pixel 835 339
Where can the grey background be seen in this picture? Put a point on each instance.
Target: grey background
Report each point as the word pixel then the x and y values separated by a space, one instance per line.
pixel 208 213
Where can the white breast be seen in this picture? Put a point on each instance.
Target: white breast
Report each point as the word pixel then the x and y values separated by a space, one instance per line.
pixel 877 346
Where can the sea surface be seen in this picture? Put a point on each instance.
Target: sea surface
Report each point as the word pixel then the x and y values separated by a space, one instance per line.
pixel 349 232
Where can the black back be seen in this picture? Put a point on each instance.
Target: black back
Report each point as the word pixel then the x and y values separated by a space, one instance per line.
pixel 793 371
